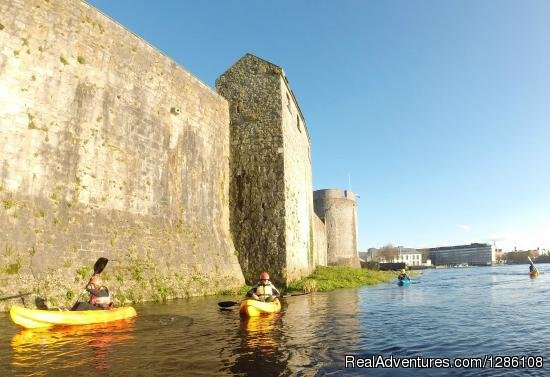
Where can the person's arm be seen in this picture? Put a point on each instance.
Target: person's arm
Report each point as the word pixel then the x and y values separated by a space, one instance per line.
pixel 95 292
pixel 98 291
pixel 101 292
pixel 275 291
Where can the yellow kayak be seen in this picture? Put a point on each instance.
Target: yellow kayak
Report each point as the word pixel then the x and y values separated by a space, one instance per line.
pixel 534 274
pixel 35 318
pixel 254 308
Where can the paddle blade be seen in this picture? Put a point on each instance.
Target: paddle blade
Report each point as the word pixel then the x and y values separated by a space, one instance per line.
pixel 100 265
pixel 227 304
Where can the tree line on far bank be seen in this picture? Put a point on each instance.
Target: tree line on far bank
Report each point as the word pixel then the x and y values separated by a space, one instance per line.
pixel 522 257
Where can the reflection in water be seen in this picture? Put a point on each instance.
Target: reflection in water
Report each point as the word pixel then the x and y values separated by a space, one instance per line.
pixel 260 349
pixel 69 346
pixel 445 313
pixel 314 324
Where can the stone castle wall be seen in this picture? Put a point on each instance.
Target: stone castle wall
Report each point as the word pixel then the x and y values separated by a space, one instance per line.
pixel 271 191
pixel 257 199
pixel 338 210
pixel 319 242
pixel 108 148
pixel 299 232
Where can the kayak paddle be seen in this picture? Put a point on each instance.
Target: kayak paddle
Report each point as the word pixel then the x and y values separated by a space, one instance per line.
pixel 228 304
pixel 16 296
pixel 100 264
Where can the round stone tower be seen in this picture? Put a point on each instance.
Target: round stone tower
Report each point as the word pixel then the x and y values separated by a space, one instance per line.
pixel 338 210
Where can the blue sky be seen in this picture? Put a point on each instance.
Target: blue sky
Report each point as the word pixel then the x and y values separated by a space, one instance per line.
pixel 437 112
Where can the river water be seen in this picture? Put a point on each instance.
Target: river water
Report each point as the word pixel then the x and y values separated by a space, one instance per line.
pixel 445 313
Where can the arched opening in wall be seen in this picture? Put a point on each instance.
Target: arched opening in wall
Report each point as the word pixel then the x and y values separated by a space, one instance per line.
pixel 298 123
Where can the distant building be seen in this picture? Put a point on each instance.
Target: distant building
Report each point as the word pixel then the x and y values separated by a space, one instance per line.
pixel 370 255
pixel 400 254
pixel 409 256
pixel 500 256
pixel 475 254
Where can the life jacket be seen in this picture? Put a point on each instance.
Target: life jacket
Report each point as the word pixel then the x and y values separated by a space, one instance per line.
pixel 264 291
pixel 105 299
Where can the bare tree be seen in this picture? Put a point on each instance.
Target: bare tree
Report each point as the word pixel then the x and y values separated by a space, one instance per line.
pixel 425 254
pixel 389 253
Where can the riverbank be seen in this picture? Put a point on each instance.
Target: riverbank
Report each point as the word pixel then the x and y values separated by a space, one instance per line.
pixel 325 279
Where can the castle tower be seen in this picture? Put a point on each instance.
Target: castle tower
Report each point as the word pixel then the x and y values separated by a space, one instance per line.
pixel 338 210
pixel 270 196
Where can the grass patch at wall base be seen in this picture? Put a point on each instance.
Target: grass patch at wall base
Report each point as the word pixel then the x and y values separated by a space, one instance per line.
pixel 326 279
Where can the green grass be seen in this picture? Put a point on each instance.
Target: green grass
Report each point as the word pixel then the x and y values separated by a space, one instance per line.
pixel 234 292
pixel 326 279
pixel 13 268
pixel 84 272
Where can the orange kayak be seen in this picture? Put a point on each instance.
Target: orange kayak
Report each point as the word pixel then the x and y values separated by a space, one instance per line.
pixel 534 274
pixel 35 318
pixel 255 308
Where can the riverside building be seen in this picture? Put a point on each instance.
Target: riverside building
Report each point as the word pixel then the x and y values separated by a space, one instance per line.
pixel 475 254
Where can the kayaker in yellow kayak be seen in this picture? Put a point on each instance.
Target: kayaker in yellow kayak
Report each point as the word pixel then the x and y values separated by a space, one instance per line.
pixel 99 293
pixel 263 290
pixel 533 269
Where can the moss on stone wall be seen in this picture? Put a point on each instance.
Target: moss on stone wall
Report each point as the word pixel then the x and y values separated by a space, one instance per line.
pixel 99 165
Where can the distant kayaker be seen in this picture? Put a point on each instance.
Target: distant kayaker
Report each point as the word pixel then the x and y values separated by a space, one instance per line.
pixel 403 275
pixel 263 290
pixel 532 268
pixel 99 294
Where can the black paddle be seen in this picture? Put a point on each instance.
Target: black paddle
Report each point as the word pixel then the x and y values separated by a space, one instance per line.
pixel 228 304
pixel 100 264
pixel 16 296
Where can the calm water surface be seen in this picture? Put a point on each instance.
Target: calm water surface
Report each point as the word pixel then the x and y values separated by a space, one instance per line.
pixel 467 312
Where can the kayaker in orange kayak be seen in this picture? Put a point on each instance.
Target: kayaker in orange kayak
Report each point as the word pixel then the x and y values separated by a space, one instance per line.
pixel 532 269
pixel 263 290
pixel 99 293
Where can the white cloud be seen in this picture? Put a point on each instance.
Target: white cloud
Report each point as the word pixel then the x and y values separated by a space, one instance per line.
pixel 465 227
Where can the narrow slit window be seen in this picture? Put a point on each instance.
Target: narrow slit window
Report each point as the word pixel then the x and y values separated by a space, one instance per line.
pixel 288 103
